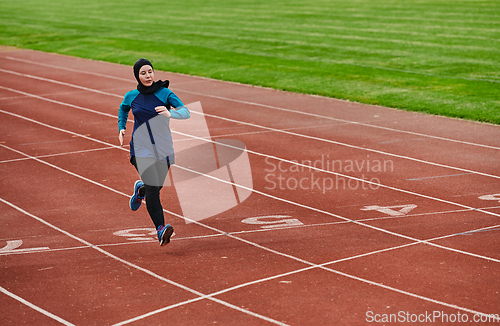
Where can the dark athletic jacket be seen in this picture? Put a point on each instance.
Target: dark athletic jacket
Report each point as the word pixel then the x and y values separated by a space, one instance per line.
pixel 143 109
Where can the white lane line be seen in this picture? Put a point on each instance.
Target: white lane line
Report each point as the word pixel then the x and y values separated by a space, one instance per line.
pixel 38 251
pixel 279 199
pixel 284 131
pixel 338 120
pixel 373 219
pixel 36 63
pixel 88 244
pixel 261 127
pixel 55 82
pixel 321 266
pixel 295 203
pixel 438 176
pixel 137 267
pixel 57 154
pixel 277 252
pixel 355 221
pixel 328 213
pixel 13 247
pixel 312 266
pixel 252 103
pixel 60 129
pixel 244 123
pixel 34 307
pixel 250 151
pixel 154 312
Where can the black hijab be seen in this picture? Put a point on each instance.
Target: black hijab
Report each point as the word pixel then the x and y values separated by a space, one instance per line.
pixel 155 86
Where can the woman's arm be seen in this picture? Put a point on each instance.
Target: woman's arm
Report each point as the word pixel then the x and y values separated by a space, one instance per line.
pixel 122 122
pixel 122 118
pixel 180 111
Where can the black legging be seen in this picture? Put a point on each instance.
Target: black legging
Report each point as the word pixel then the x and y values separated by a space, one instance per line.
pixel 153 177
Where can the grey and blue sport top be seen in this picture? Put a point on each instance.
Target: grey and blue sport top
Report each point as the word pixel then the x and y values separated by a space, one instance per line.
pixel 143 109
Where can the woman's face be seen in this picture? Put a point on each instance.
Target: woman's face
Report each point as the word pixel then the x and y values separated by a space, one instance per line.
pixel 146 75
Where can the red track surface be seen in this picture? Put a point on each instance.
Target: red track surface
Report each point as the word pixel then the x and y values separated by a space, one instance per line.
pixel 420 243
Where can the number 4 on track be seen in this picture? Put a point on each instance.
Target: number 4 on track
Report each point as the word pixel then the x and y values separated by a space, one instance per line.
pixel 399 210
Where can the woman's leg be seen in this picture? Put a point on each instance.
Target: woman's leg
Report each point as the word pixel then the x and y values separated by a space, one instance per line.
pixel 153 205
pixel 153 179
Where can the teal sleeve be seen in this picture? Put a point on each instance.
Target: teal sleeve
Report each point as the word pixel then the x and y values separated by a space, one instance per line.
pixel 180 111
pixel 122 117
pixel 125 109
pixel 173 100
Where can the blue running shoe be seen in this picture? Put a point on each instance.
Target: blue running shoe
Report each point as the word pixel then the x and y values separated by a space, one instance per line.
pixel 136 200
pixel 164 234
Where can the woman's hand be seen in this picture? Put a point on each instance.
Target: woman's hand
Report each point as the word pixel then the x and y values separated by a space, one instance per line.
pixel 163 110
pixel 120 136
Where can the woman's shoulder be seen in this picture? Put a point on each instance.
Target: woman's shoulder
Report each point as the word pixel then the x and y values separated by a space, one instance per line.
pixel 130 96
pixel 133 92
pixel 163 90
pixel 162 93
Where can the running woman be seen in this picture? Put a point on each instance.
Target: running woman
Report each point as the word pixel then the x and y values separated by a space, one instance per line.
pixel 151 102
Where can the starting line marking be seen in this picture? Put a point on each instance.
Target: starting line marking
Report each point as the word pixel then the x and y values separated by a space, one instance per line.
pixel 138 234
pixel 12 246
pixel 390 210
pixel 491 197
pixel 276 221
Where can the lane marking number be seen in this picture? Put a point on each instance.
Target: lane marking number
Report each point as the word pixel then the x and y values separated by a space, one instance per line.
pixel 12 247
pixel 491 197
pixel 273 221
pixel 139 234
pixel 398 210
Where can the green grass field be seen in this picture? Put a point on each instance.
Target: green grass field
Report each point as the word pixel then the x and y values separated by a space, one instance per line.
pixel 435 56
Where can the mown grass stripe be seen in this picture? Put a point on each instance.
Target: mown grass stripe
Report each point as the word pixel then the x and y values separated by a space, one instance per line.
pixel 436 56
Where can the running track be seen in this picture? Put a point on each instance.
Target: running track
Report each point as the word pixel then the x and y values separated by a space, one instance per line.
pixel 410 226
